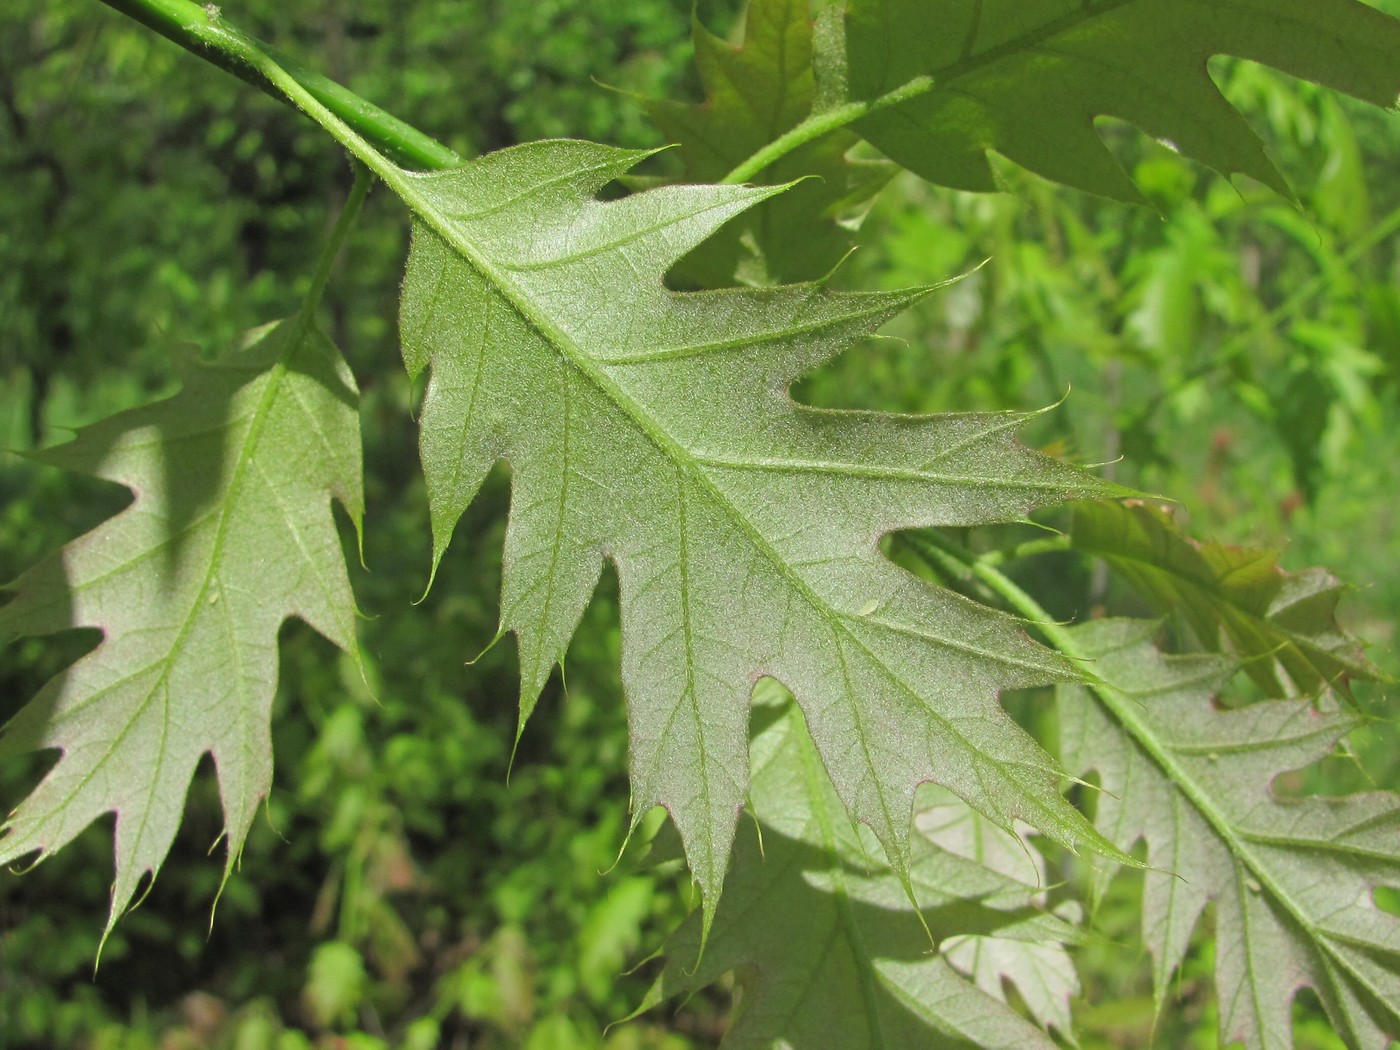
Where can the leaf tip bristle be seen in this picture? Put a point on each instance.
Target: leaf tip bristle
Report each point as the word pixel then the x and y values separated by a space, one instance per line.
pixel 515 744
pixel 709 905
pixel 846 256
pixel 232 862
pixel 500 633
pixel 10 859
pixel 267 815
pixel 758 831
pixel 438 551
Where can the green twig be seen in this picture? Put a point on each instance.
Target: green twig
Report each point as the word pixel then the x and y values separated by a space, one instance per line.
pixel 240 47
pixel 951 558
pixel 197 30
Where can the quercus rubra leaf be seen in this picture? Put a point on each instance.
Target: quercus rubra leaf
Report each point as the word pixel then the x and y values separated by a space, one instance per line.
pixel 1281 625
pixel 756 91
pixel 654 429
pixel 825 943
pixel 1292 881
pixel 230 533
pixel 947 82
pixel 1041 969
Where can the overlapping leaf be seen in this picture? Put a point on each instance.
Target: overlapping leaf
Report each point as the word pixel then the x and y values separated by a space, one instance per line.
pixel 1293 882
pixel 230 533
pixel 947 82
pixel 1041 970
pixel 756 91
pixel 654 429
pixel 823 938
pixel 1281 625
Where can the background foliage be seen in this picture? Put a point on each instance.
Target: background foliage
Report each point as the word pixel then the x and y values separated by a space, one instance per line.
pixel 1241 355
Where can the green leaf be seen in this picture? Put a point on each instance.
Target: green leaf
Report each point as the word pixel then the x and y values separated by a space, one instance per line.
pixel 1293 882
pixel 944 83
pixel 828 951
pixel 230 533
pixel 1281 625
pixel 1041 970
pixel 756 91
pixel 654 429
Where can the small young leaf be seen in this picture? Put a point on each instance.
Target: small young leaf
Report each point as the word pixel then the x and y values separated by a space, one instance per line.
pixel 1293 882
pixel 230 533
pixel 756 91
pixel 1281 625
pixel 823 938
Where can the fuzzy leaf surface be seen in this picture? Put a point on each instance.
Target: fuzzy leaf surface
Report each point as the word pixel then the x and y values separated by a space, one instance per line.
pixel 654 428
pixel 1281 625
pixel 755 91
pixel 826 944
pixel 230 533
pixel 1292 881
pixel 950 81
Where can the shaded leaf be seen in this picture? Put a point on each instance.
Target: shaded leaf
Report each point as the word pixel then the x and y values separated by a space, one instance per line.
pixel 1292 881
pixel 1281 625
pixel 950 81
pixel 654 428
pixel 755 91
pixel 230 533
pixel 1042 971
pixel 827 947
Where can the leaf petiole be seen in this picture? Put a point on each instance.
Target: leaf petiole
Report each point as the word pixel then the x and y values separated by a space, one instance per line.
pixel 351 210
pixel 823 123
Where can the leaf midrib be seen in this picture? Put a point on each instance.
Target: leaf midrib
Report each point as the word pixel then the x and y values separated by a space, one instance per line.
pixel 1164 756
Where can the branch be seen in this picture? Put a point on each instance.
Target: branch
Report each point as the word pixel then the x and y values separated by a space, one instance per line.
pixel 194 28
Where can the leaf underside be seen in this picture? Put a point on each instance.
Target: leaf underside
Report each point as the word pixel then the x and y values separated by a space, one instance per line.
pixel 826 945
pixel 1292 881
pixel 654 429
pixel 230 533
pixel 1028 79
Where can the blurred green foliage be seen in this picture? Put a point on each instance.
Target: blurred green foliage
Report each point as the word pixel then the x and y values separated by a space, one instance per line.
pixel 413 885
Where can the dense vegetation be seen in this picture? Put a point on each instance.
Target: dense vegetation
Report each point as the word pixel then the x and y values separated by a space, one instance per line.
pixel 1228 347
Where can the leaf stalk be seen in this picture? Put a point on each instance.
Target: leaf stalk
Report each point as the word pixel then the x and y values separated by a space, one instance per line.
pixel 351 210
pixel 823 123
